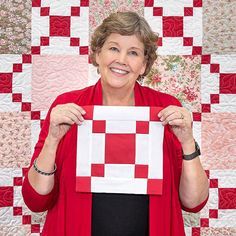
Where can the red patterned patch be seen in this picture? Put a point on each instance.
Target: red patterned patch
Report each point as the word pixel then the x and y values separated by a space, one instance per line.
pixel 173 26
pixel 227 198
pixel 75 11
pixel 44 11
pixel 6 196
pixel 215 98
pixel 17 97
pixel 188 11
pixel 228 83
pixel 157 11
pixel 5 82
pixel 74 41
pixel 17 67
pixel 60 26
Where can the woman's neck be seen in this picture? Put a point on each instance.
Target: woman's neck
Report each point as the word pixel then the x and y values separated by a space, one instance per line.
pixel 118 97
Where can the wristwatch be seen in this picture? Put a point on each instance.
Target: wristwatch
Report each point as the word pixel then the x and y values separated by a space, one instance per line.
pixel 194 154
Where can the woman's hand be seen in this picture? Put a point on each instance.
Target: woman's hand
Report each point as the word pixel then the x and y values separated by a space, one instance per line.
pixel 61 119
pixel 180 120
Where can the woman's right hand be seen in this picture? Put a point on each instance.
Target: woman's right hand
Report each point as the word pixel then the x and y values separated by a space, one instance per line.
pixel 61 119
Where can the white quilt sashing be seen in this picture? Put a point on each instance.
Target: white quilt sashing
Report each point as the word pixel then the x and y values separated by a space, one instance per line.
pixel 120 150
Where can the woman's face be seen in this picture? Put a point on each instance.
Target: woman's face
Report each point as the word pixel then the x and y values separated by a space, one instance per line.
pixel 121 60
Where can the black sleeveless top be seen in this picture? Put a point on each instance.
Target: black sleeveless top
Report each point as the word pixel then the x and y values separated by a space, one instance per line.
pixel 120 215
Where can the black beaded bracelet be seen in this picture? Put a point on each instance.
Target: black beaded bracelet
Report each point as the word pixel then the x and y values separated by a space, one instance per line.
pixel 42 172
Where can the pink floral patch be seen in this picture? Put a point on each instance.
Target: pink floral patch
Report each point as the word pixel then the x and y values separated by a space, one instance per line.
pixel 179 76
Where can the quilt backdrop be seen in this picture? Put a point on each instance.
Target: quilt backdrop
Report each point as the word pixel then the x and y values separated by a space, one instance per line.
pixel 44 48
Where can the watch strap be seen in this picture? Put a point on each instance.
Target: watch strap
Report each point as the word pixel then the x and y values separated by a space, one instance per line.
pixel 194 154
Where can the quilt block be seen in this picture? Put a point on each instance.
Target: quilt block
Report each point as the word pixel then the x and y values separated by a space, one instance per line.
pixel 120 150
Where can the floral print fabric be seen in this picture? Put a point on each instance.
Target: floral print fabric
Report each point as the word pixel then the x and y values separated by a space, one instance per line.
pixel 15 18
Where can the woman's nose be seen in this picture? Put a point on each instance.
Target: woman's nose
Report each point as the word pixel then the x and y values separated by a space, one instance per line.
pixel 122 58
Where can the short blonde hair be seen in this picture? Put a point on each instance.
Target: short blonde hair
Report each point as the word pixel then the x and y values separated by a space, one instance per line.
pixel 126 23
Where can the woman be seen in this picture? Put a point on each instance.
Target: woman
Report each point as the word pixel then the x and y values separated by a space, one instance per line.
pixel 124 49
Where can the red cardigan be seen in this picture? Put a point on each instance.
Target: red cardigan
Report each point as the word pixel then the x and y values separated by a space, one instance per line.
pixel 69 212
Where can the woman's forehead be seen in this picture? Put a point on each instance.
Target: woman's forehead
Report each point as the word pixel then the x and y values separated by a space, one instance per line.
pixel 127 40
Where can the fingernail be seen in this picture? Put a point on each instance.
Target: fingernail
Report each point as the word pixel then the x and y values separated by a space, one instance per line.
pixel 83 112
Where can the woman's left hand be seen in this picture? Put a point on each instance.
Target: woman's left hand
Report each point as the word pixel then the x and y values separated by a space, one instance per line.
pixel 180 120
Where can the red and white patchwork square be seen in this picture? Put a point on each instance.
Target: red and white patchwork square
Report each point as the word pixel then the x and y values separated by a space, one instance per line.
pixel 120 150
pixel 179 25
pixel 60 28
pixel 218 83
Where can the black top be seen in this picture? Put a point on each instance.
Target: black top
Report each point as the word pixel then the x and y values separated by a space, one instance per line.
pixel 120 214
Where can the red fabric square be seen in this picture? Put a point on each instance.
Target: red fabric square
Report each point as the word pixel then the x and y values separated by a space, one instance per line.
pixel 157 11
pixel 44 41
pixel 207 173
pixel 36 3
pixel 83 184
pixel 84 3
pixel 74 41
pixel 141 171
pixel 35 50
pixel 120 148
pixel 188 41
pixel 206 107
pixel 26 219
pixel 142 127
pixel 97 170
pixel 99 126
pixel 60 26
pixel 213 213
pixel 173 26
pixel 25 170
pixel 204 222
pixel 154 186
pixel 213 183
pixel 35 115
pixel 197 3
pixel 148 3
pixel 195 231
pixel 35 228
pixel 6 196
pixel 215 98
pixel 5 82
pixel 197 116
pixel 44 11
pixel 227 198
pixel 159 41
pixel 89 112
pixel 154 113
pixel 214 68
pixel 17 67
pixel 206 59
pixel 17 181
pixel 197 50
pixel 228 83
pixel 83 50
pixel 26 58
pixel 188 11
pixel 75 11
pixel 17 211
pixel 25 106
pixel 16 97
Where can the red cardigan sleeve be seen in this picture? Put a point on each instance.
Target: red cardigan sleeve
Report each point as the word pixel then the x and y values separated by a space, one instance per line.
pixel 35 201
